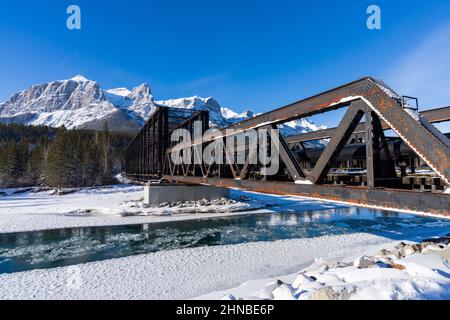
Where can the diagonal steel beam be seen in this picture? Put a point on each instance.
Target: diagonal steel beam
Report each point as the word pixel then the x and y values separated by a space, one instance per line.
pixel 407 125
pixel 433 116
pixel 348 124
pixel 330 100
pixel 289 159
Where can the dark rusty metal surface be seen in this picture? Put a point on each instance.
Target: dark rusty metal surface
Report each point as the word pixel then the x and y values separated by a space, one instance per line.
pixel 290 161
pixel 145 155
pixel 348 124
pixel 433 203
pixel 433 116
pixel 432 150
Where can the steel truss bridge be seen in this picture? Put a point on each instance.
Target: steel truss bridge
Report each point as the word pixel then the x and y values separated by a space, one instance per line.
pixel 356 163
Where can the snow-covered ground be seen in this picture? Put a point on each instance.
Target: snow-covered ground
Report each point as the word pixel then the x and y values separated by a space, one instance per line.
pixel 108 206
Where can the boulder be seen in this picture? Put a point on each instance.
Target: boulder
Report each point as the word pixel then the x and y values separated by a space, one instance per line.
pixel 339 264
pixel 320 265
pixel 412 249
pixel 445 253
pixel 330 279
pixel 409 251
pixel 432 248
pixel 364 262
pixel 386 260
pixel 301 280
pixel 332 293
pixel 396 254
pixel 383 253
pixel 63 192
pixel 401 245
pixel 228 297
pixel 284 292
pixel 427 243
pixel 266 292
pixel 398 266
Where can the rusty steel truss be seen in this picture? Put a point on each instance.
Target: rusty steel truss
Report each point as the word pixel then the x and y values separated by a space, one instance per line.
pixel 144 156
pixel 383 181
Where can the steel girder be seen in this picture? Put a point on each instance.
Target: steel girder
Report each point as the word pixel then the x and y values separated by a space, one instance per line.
pixel 408 201
pixel 433 116
pixel 145 154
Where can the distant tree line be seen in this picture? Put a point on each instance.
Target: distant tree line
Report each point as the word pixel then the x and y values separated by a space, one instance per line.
pixel 61 158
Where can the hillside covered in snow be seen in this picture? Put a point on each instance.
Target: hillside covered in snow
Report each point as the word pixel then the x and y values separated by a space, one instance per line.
pixel 79 103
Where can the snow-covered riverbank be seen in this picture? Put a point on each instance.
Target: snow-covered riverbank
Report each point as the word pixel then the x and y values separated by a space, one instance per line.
pixel 402 272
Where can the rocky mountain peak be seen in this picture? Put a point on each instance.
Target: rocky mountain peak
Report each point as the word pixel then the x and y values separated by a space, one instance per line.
pixel 142 91
pixel 247 114
pixel 81 103
pixel 79 78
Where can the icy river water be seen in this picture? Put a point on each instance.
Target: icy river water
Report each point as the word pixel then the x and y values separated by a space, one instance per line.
pixel 56 248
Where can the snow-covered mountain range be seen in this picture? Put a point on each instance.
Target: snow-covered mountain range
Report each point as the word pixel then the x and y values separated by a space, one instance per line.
pixel 81 103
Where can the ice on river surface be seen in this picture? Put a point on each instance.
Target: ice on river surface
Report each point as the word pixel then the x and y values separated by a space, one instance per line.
pixel 54 248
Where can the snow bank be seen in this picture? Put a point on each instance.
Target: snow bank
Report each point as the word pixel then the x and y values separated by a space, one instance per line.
pixel 408 271
pixel 223 206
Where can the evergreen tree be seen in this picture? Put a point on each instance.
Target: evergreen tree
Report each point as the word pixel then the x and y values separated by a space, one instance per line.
pixel 21 163
pixel 36 165
pixel 8 164
pixel 105 149
pixel 32 156
pixel 63 168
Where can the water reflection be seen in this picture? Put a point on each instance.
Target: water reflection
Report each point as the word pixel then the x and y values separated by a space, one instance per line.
pixel 48 249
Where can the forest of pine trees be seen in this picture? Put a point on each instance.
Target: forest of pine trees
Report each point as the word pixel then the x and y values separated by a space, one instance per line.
pixel 60 158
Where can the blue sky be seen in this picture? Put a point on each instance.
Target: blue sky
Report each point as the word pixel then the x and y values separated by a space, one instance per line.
pixel 247 54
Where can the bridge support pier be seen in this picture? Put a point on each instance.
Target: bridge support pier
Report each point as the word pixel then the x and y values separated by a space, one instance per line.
pixel 154 195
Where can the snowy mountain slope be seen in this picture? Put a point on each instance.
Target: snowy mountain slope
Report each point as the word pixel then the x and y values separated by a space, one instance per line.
pixel 82 103
pixel 79 103
pixel 218 116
